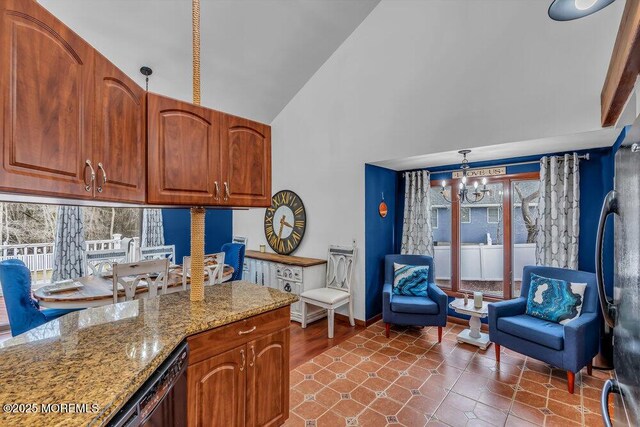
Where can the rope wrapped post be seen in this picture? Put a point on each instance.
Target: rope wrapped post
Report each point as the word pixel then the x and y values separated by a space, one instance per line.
pixel 197 213
pixel 197 254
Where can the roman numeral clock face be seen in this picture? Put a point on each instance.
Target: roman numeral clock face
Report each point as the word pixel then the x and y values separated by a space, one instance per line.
pixel 285 222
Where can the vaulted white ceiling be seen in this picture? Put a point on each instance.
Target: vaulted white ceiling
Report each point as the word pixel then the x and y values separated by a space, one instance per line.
pixel 256 54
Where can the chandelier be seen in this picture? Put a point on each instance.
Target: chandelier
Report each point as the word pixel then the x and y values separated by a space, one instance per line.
pixel 466 194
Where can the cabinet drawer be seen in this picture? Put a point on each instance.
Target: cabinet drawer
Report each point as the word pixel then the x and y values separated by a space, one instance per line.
pixel 210 343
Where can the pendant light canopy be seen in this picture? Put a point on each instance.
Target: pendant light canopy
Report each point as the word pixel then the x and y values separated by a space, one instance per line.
pixel 567 10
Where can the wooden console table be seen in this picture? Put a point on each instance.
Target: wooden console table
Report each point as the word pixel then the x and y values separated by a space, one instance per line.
pixel 292 274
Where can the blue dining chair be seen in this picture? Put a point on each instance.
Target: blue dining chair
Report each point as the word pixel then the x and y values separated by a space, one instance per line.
pixel 24 312
pixel 570 347
pixel 413 310
pixel 234 256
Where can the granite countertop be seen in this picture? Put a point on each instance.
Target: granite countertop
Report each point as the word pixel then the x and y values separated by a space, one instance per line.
pixel 100 357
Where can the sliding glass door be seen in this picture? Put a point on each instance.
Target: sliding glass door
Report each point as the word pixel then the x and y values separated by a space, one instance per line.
pixel 524 208
pixel 483 245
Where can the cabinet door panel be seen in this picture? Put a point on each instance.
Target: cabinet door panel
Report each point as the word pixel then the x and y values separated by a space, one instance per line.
pixel 268 380
pixel 183 152
pixel 246 161
pixel 46 73
pixel 120 135
pixel 216 390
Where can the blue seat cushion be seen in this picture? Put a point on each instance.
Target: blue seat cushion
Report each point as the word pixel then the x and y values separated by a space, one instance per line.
pixel 54 313
pixel 413 305
pixel 543 332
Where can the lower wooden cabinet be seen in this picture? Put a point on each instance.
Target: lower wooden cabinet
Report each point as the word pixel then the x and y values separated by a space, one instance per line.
pixel 217 391
pixel 246 385
pixel 268 380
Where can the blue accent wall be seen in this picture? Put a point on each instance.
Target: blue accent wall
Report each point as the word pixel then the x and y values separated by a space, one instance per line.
pixel 177 230
pixel 380 232
pixel 383 236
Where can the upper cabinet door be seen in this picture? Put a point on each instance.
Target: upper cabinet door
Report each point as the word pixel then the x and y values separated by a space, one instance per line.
pixel 183 153
pixel 119 151
pixel 45 110
pixel 246 162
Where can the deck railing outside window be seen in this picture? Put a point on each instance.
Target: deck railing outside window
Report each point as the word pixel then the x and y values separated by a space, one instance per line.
pixel 38 257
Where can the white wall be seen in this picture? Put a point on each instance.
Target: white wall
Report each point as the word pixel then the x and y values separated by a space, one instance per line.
pixel 421 77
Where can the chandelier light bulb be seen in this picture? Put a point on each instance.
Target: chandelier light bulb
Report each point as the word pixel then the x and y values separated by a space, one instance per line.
pixel 464 179
pixel 484 181
pixel 444 184
pixel 475 185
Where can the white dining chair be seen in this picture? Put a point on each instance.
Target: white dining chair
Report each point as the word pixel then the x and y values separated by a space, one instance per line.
pixel 240 239
pixel 213 273
pixel 158 252
pixel 154 273
pixel 337 291
pixel 215 268
pixel 99 263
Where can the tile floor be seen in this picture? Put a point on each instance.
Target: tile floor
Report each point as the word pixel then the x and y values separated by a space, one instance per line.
pixel 411 380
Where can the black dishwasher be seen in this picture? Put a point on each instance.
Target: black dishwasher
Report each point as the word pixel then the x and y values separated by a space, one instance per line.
pixel 162 400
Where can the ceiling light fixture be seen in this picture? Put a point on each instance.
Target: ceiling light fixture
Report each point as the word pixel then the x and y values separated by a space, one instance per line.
pixel 567 10
pixel 464 193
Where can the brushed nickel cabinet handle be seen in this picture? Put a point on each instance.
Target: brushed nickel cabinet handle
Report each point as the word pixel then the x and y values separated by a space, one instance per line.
pixel 226 191
pixel 89 186
pixel 247 331
pixel 253 356
pixel 217 190
pixel 243 360
pixel 104 178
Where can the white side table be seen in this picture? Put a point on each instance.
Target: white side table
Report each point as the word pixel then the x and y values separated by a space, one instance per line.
pixel 472 335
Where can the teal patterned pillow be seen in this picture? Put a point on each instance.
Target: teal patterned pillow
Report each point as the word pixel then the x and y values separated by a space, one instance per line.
pixel 410 280
pixel 554 300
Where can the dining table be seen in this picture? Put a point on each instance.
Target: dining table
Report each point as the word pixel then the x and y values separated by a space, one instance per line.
pixel 97 290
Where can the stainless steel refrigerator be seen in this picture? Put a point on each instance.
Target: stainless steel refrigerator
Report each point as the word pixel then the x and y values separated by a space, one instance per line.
pixel 622 313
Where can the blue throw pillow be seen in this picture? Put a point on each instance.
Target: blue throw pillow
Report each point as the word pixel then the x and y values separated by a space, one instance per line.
pixel 410 280
pixel 554 300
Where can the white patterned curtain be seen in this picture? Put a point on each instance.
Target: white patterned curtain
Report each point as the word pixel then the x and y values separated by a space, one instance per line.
pixel 68 249
pixel 416 225
pixel 152 228
pixel 558 212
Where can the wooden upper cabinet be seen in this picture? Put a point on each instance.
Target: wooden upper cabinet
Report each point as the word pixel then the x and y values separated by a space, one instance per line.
pixel 183 152
pixel 216 390
pixel 268 380
pixel 46 101
pixel 119 151
pixel 246 162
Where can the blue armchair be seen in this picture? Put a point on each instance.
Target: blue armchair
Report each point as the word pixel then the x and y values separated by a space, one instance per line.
pixel 24 312
pixel 234 256
pixel 570 347
pixel 410 310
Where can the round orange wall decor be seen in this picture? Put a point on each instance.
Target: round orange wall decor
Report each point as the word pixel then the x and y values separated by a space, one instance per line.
pixel 382 209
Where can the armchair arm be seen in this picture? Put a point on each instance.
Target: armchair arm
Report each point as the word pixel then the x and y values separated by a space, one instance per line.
pixel 438 296
pixel 581 341
pixel 508 308
pixel 387 290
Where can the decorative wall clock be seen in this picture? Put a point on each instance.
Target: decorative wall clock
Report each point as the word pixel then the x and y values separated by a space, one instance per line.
pixel 285 222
